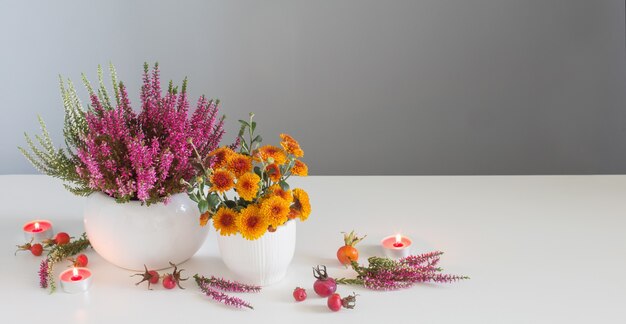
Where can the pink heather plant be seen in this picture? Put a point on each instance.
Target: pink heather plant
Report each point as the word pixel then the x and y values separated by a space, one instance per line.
pixel 127 155
pixel 212 286
pixel 227 285
pixel 387 274
pixel 43 273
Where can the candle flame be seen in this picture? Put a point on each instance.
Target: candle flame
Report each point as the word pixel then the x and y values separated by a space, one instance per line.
pixel 36 225
pixel 398 238
pixel 75 272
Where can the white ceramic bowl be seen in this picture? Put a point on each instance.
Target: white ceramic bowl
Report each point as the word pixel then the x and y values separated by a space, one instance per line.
pixel 263 261
pixel 130 235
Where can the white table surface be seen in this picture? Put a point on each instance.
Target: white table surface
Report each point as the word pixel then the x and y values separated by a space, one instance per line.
pixel 538 249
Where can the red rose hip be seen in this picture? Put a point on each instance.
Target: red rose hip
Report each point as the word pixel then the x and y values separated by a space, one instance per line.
pixel 169 282
pixel 299 294
pixel 81 261
pixel 36 249
pixel 324 286
pixel 335 302
pixel 62 238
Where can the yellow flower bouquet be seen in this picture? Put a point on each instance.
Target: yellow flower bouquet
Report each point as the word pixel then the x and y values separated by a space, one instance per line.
pixel 257 175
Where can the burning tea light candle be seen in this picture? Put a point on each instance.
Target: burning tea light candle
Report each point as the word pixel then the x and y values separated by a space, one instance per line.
pixel 38 230
pixel 396 246
pixel 75 276
pixel 75 280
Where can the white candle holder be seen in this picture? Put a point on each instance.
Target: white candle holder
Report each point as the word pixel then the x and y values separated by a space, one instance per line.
pixel 75 280
pixel 38 230
pixel 396 246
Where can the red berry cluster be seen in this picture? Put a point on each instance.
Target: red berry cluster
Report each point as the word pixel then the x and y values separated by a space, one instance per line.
pixel 61 238
pixel 37 249
pixel 325 286
pixel 170 280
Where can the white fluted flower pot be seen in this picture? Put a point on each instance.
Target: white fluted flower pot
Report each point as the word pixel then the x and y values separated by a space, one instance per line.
pixel 130 235
pixel 263 261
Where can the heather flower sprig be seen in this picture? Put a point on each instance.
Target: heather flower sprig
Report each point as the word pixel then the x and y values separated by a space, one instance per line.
pixel 211 286
pixel 388 274
pixel 57 254
pixel 227 285
pixel 125 154
pixel 43 273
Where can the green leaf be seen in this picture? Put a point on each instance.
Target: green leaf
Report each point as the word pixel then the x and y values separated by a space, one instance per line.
pixel 244 122
pixel 230 204
pixel 253 126
pixel 258 171
pixel 203 206
pixel 213 200
pixel 284 185
pixel 257 139
pixel 241 130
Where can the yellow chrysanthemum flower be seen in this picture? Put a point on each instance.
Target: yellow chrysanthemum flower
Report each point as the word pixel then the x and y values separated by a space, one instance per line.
pixel 251 223
pixel 275 209
pixel 248 186
pixel 276 190
pixel 273 172
pixel 222 180
pixel 291 145
pixel 301 206
pixel 239 164
pixel 225 221
pixel 300 169
pixel 270 151
pixel 220 157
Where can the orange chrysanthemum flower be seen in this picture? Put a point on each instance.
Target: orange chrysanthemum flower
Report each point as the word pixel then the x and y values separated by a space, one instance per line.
pixel 300 169
pixel 251 223
pixel 291 145
pixel 269 151
pixel 204 218
pixel 301 206
pixel 273 171
pixel 248 186
pixel 222 180
pixel 220 157
pixel 225 221
pixel 276 190
pixel 239 164
pixel 275 209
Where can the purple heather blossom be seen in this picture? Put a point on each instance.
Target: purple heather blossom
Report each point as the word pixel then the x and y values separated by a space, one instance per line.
pixel 418 260
pixel 43 274
pixel 227 285
pixel 224 298
pixel 384 284
pixel 143 156
pixel 211 286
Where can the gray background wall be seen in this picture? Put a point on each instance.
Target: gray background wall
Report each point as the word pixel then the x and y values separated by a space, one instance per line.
pixel 368 87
